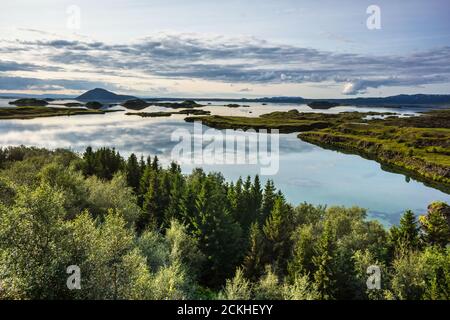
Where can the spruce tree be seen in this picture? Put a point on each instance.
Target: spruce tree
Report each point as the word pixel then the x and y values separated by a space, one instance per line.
pixel 277 231
pixel 252 262
pixel 409 230
pixel 435 224
pixel 133 172
pixel 323 262
pixel 268 200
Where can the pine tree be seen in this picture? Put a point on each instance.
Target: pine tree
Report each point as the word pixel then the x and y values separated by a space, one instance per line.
pixel 406 235
pixel 252 262
pixel 89 162
pixel 268 200
pixel 323 261
pixel 174 206
pixel 144 184
pixel 256 199
pixel 219 237
pixel 436 224
pixel 155 164
pixel 151 204
pixel 277 230
pixel 133 172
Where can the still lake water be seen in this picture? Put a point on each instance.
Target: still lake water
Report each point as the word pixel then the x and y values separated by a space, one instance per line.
pixel 306 172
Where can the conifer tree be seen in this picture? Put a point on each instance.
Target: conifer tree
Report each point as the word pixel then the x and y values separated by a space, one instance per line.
pixel 133 172
pixel 406 235
pixel 436 224
pixel 323 262
pixel 252 267
pixel 268 200
pixel 277 230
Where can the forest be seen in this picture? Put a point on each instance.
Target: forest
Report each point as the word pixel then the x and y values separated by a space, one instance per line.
pixel 139 230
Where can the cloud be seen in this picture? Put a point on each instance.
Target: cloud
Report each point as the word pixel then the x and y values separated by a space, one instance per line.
pixel 14 66
pixel 361 86
pixel 23 83
pixel 244 60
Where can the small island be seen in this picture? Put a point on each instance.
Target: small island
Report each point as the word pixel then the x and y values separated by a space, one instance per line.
pixel 94 105
pixel 150 114
pixel 322 105
pixel 39 112
pixel 135 104
pixel 178 105
pixel 168 114
pixel 29 102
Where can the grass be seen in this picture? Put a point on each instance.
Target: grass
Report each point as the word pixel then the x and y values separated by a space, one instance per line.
pixel 38 112
pixel 167 114
pixel 416 146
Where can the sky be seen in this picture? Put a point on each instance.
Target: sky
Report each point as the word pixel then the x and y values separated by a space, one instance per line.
pixel 200 48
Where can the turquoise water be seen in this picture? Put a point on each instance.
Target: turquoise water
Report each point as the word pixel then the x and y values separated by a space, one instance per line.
pixel 306 172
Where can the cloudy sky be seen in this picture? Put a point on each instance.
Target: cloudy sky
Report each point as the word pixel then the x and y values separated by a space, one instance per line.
pixel 206 48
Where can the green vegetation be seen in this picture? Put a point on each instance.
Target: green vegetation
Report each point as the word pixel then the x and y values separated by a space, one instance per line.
pixel 178 105
pixel 37 112
pixel 135 104
pixel 94 105
pixel 29 102
pixel 150 114
pixel 140 231
pixel 322 104
pixel 417 146
pixel 168 114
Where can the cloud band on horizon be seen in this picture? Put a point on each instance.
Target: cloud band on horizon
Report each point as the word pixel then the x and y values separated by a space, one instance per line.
pixel 245 60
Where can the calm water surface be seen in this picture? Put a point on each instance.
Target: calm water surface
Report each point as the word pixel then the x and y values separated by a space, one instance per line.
pixel 307 172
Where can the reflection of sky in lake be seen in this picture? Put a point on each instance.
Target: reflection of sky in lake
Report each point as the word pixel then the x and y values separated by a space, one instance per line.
pixel 307 172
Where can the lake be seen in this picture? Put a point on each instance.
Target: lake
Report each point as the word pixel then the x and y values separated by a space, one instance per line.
pixel 306 172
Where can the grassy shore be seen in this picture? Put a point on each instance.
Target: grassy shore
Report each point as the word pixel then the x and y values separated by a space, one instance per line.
pixel 38 112
pixel 416 146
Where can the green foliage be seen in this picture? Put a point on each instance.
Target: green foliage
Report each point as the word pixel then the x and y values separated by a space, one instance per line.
pixel 253 264
pixel 103 163
pixel 436 224
pixel 406 235
pixel 33 245
pixel 268 287
pixel 277 230
pixel 300 289
pixel 323 263
pixel 237 288
pixel 140 231
pixel 113 194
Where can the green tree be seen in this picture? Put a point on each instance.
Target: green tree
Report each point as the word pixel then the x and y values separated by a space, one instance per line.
pixel 237 288
pixel 133 172
pixel 269 197
pixel 33 245
pixel 277 232
pixel 323 262
pixel 151 206
pixel 219 237
pixel 252 266
pixel 268 287
pixel 114 194
pixel 407 234
pixel 435 224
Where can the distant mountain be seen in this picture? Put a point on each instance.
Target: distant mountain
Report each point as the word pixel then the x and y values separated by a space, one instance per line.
pixel 401 99
pixel 102 95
